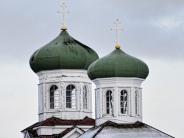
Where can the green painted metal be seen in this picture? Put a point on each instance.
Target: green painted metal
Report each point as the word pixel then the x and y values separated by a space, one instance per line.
pixel 118 64
pixel 64 52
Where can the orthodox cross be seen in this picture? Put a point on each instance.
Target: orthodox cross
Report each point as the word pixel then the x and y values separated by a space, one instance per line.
pixel 117 29
pixel 63 11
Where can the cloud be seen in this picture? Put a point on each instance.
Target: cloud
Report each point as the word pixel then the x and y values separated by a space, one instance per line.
pixel 169 23
pixel 149 26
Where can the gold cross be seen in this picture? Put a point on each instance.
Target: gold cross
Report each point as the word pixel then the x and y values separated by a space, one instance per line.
pixel 117 29
pixel 64 11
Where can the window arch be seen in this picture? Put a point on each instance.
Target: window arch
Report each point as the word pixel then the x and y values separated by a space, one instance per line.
pixel 109 102
pixel 70 96
pixel 85 97
pixel 53 88
pixel 124 102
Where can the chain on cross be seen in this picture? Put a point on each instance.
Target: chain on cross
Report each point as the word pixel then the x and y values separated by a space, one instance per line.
pixel 117 29
pixel 64 12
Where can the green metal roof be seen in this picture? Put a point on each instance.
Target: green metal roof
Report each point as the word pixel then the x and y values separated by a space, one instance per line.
pixel 64 52
pixel 118 64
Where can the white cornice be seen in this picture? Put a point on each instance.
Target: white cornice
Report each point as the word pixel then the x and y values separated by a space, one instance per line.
pixel 118 82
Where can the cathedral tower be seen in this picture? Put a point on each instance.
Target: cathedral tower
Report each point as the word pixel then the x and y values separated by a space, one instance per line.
pixel 118 78
pixel 64 89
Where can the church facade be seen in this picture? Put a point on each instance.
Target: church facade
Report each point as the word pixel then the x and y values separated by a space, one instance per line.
pixel 66 68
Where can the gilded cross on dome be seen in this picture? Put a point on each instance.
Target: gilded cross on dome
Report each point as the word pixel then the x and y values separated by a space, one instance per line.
pixel 117 29
pixel 64 12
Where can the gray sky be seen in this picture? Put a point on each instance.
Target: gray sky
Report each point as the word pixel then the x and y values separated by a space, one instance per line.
pixel 153 31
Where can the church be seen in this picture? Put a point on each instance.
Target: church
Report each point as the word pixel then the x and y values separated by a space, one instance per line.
pixel 66 69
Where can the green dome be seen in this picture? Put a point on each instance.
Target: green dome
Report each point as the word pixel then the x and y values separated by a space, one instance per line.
pixel 118 64
pixel 64 52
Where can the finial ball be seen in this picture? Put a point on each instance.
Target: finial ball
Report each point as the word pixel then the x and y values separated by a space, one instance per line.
pixel 118 46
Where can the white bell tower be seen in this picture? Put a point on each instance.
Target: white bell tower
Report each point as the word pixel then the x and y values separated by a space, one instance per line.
pixel 118 100
pixel 118 78
pixel 65 94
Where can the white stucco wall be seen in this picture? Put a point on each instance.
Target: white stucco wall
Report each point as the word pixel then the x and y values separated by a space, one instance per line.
pixel 116 85
pixel 63 78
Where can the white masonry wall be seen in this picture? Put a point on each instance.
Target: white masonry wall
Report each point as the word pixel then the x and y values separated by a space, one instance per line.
pixel 116 85
pixel 63 78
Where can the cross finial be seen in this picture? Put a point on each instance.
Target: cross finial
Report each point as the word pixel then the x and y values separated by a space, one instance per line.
pixel 64 11
pixel 117 29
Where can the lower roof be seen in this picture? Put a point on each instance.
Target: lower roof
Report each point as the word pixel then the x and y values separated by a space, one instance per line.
pixel 113 130
pixel 60 135
pixel 53 121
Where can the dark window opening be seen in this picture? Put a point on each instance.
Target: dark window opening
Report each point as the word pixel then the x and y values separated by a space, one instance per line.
pixel 53 88
pixel 124 102
pixel 70 92
pixel 109 102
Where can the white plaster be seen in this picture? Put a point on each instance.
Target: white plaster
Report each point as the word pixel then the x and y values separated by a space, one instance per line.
pixel 116 85
pixel 63 78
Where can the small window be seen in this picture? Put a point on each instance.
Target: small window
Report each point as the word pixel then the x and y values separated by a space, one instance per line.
pixel 85 97
pixel 70 96
pixel 53 88
pixel 123 102
pixel 109 102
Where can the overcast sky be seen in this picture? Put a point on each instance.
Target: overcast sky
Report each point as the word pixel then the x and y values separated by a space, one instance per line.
pixel 153 32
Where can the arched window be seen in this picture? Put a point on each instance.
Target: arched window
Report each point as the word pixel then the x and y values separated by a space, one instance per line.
pixel 123 102
pixel 53 88
pixel 136 103
pixel 85 97
pixel 109 102
pixel 70 96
